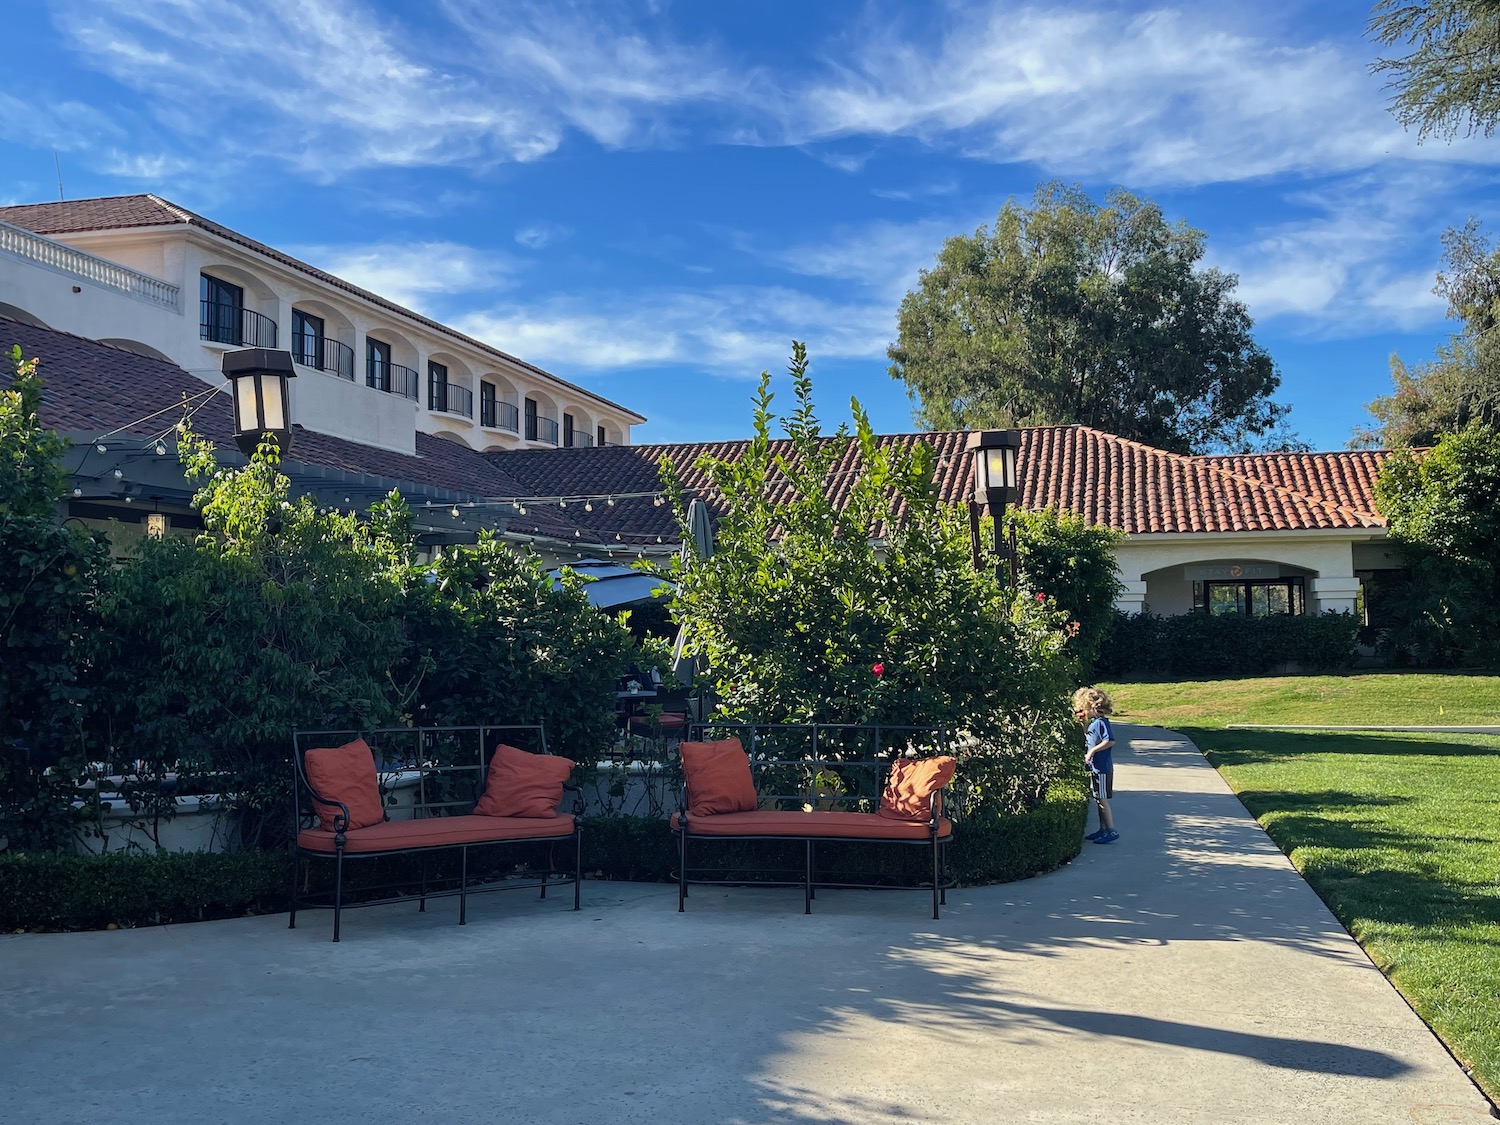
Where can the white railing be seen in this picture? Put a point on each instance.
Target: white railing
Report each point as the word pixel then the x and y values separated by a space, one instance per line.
pixel 59 256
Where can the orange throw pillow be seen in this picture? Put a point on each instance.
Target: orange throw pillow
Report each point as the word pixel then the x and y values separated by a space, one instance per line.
pixel 345 773
pixel 718 777
pixel 911 783
pixel 522 784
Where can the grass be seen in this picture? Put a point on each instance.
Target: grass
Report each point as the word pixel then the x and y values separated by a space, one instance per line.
pixel 1398 833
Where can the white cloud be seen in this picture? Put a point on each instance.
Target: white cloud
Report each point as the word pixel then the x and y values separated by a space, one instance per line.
pixel 1363 260
pixel 537 235
pixel 411 274
pixel 732 330
pixel 1165 97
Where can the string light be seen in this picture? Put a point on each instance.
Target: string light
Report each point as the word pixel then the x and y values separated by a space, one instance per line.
pixel 77 492
pixel 658 502
pixel 161 449
pixel 102 448
pixel 562 503
pixel 611 501
pixel 588 505
pixel 454 513
pixel 119 474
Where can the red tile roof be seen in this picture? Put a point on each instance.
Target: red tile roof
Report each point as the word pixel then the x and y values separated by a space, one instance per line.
pixel 118 212
pixel 1106 479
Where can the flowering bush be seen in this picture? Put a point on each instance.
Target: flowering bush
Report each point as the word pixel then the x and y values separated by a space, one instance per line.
pixel 868 610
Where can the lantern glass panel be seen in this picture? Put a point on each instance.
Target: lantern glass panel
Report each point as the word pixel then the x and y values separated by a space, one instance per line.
pixel 1000 466
pixel 272 402
pixel 245 410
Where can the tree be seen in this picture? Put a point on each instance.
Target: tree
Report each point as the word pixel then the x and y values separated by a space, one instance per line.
pixel 1450 81
pixel 1444 513
pixel 1461 385
pixel 1068 311
pixel 49 578
pixel 811 610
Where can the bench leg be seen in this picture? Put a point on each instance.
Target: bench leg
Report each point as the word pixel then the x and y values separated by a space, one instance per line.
pixel 338 890
pixel 936 875
pixel 422 902
pixel 463 886
pixel 577 864
pixel 807 882
pixel 943 894
pixel 812 870
pixel 681 871
pixel 296 863
pixel 544 874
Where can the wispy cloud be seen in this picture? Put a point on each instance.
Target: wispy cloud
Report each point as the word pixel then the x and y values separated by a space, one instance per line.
pixel 1363 257
pixel 1165 97
pixel 730 330
pixel 534 236
pixel 413 274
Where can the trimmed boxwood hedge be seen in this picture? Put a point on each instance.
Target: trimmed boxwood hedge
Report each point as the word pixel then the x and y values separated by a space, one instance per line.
pixel 1196 645
pixel 91 892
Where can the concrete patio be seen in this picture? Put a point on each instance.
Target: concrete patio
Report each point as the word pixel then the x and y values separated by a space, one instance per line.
pixel 1185 974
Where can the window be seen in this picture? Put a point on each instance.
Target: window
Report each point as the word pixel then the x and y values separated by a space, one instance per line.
pixel 221 310
pixel 486 404
pixel 437 386
pixel 1257 597
pixel 568 430
pixel 531 419
pixel 600 435
pixel 378 364
pixel 307 339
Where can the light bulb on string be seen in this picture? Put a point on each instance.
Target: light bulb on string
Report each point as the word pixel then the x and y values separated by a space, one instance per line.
pixel 611 501
pixel 617 536
pixel 588 505
pixel 454 512
pixel 119 474
pixel 562 503
pixel 161 449
pixel 102 448
pixel 77 492
pixel 658 502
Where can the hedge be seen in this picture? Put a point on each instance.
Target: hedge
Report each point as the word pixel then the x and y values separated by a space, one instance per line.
pixel 46 891
pixel 1199 644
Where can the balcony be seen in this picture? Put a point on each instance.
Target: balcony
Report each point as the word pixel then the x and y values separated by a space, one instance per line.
pixel 323 354
pixel 393 379
pixel 499 416
pixel 542 429
pixel 451 399
pixel 65 259
pixel 221 323
pixel 578 440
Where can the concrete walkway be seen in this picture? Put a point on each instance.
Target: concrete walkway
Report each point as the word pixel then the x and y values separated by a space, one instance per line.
pixel 1185 974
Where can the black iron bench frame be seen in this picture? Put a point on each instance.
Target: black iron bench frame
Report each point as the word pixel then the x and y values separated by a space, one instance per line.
pixel 420 744
pixel 750 735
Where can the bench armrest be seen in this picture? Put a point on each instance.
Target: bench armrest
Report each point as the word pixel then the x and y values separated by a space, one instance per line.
pixel 577 791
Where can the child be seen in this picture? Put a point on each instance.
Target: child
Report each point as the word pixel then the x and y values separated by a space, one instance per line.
pixel 1092 708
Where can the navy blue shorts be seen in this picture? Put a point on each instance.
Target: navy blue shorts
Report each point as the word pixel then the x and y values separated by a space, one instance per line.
pixel 1102 781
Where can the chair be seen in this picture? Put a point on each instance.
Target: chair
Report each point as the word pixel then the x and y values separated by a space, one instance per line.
pixel 672 720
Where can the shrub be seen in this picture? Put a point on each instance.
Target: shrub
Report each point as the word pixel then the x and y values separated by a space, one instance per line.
pixel 91 892
pixel 848 595
pixel 1073 561
pixel 49 579
pixel 491 641
pixel 1195 645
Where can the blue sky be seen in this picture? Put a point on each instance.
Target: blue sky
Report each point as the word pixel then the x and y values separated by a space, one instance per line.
pixel 654 199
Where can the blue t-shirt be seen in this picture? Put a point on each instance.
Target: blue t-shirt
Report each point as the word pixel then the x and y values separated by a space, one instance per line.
pixel 1100 731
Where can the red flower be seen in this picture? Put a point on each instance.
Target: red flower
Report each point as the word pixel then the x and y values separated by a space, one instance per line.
pixel 878 669
pixel 1041 597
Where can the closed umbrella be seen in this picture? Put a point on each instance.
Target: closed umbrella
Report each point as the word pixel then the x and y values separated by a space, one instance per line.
pixel 697 542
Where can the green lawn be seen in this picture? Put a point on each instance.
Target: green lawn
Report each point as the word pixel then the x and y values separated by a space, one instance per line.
pixel 1399 833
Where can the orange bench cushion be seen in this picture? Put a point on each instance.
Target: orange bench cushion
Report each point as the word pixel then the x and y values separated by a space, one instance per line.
pixel 437 832
pixel 522 784
pixel 345 773
pixel 910 786
pixel 718 777
pixel 800 825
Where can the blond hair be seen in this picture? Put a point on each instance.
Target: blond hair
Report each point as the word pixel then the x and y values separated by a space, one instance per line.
pixel 1092 702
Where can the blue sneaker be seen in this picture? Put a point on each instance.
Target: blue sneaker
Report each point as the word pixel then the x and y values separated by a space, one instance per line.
pixel 1108 838
pixel 1094 835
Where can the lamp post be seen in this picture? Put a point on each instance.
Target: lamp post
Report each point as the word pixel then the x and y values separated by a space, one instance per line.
pixel 995 455
pixel 257 380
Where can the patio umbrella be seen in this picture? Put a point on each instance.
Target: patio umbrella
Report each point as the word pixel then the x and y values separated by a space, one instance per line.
pixel 697 542
pixel 612 584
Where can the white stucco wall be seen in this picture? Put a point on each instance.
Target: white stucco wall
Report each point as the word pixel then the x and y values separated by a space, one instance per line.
pixel 1153 567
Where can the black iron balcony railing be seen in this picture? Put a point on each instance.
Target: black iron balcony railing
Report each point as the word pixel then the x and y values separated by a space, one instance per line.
pixel 223 323
pixel 323 354
pixel 393 378
pixel 499 415
pixel 546 430
pixel 451 399
pixel 579 440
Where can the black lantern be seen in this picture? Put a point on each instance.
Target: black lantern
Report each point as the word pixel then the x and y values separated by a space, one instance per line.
pixel 257 382
pixel 995 455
